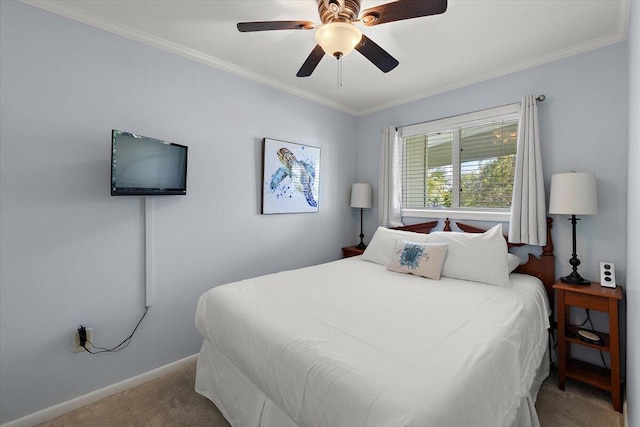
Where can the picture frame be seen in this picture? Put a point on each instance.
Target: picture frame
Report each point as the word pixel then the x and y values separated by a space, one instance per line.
pixel 290 177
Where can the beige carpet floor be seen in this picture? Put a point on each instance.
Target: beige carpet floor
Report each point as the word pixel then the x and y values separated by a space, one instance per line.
pixel 172 401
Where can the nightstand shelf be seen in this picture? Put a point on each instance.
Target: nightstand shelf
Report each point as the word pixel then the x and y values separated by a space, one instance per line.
pixel 350 251
pixel 572 336
pixel 588 373
pixel 593 297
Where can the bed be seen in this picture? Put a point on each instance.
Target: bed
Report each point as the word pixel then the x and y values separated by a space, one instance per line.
pixel 354 343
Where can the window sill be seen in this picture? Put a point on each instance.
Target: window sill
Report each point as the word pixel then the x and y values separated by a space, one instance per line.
pixel 458 214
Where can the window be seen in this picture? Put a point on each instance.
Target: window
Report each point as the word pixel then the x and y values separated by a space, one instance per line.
pixel 463 164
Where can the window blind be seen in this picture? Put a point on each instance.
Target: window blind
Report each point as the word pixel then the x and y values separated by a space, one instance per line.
pixel 428 171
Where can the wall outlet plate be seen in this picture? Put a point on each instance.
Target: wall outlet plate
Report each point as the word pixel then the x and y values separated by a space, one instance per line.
pixel 77 348
pixel 607 275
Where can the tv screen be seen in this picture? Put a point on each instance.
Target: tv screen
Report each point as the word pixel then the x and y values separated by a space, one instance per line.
pixel 142 166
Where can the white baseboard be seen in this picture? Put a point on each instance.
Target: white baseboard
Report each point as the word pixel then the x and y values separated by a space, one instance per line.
pixel 95 396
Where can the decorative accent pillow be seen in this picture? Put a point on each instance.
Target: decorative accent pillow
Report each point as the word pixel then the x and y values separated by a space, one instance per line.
pixel 383 242
pixel 480 257
pixel 421 259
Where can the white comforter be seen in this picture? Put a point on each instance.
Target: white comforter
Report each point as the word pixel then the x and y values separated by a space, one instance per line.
pixel 351 344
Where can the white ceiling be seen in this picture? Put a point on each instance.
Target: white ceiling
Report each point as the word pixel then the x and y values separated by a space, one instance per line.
pixel 473 40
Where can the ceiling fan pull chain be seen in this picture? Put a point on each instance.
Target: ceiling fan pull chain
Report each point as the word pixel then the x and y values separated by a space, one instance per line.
pixel 339 71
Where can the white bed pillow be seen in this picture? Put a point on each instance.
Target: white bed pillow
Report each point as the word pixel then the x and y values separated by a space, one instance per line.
pixel 479 257
pixel 513 261
pixel 383 242
pixel 420 259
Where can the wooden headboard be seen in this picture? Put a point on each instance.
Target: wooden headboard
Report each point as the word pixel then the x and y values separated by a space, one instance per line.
pixel 543 268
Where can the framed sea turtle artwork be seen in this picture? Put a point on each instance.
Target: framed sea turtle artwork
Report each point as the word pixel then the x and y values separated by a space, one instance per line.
pixel 291 177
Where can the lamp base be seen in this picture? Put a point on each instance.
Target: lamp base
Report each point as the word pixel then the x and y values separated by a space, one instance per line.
pixel 361 245
pixel 575 280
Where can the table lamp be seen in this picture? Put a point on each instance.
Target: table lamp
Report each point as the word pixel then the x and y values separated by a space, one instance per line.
pixel 574 194
pixel 361 199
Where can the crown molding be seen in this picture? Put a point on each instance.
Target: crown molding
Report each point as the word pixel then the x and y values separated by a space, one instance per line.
pixel 66 10
pixel 617 37
pixel 76 14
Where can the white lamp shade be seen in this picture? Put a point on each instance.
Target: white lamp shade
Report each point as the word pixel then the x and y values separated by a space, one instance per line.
pixel 338 38
pixel 573 193
pixel 361 195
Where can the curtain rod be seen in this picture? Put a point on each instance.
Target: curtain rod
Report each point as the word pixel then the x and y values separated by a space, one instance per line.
pixel 539 98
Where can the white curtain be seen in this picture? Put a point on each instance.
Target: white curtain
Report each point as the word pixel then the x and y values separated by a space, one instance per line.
pixel 389 185
pixel 528 211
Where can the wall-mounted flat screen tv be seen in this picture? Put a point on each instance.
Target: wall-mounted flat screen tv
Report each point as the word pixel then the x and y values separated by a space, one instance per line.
pixel 143 166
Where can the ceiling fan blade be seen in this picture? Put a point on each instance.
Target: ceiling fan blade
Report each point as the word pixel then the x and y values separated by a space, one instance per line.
pixel 402 9
pixel 311 63
pixel 376 54
pixel 275 25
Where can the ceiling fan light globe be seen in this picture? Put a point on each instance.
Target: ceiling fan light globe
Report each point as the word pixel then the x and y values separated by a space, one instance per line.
pixel 338 38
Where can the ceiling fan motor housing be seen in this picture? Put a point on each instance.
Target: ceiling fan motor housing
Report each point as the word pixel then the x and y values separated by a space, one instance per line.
pixel 347 10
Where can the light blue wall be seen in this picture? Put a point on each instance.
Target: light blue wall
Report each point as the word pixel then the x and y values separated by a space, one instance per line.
pixel 583 126
pixel 633 225
pixel 72 254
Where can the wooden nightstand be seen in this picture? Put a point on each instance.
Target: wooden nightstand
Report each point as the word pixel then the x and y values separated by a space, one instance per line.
pixel 597 298
pixel 350 251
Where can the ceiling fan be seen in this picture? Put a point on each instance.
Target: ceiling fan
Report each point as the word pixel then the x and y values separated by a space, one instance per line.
pixel 338 35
